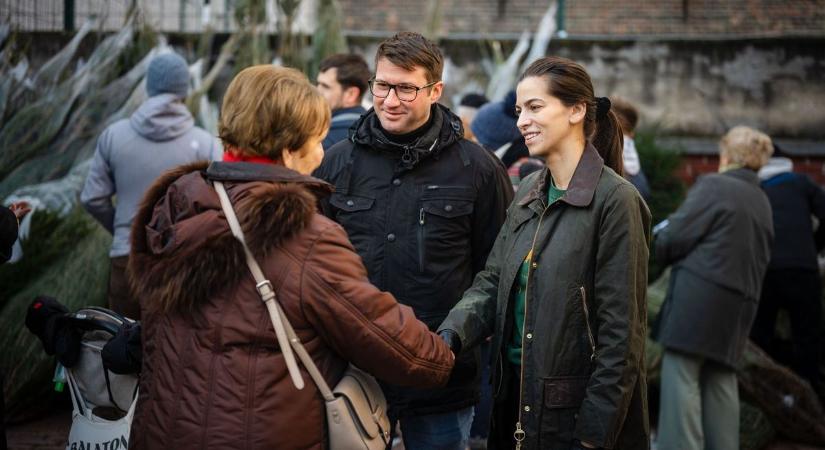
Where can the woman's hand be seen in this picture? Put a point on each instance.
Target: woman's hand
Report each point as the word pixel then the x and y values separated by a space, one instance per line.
pixel 452 340
pixel 465 367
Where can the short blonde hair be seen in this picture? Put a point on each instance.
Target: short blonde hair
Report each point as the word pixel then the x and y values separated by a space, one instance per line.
pixel 746 146
pixel 269 109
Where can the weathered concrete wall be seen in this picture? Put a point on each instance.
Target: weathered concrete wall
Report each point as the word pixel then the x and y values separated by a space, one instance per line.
pixel 698 88
pixel 703 88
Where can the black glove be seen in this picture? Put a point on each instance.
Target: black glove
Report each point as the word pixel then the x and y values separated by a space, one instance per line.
pixel 122 354
pixel 452 340
pixel 41 317
pixel 46 319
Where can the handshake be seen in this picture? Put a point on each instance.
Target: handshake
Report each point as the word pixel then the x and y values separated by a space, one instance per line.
pixel 466 366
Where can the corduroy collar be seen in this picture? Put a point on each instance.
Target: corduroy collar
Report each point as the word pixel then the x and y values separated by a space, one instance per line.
pixel 582 185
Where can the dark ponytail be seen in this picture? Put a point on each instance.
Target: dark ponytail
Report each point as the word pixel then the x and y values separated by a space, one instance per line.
pixel 570 83
pixel 609 140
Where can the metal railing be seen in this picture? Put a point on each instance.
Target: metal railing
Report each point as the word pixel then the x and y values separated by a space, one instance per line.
pixel 188 16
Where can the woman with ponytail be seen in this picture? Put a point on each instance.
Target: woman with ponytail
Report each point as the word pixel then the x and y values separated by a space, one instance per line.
pixel 563 290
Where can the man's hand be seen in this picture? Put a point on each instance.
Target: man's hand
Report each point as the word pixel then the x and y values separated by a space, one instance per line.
pixel 20 209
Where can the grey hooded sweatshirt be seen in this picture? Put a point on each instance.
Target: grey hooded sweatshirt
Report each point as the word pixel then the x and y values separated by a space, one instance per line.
pixel 132 152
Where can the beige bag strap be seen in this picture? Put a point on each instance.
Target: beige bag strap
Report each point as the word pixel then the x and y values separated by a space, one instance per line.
pixel 287 339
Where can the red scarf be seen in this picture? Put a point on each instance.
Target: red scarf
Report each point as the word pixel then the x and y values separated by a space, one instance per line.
pixel 236 156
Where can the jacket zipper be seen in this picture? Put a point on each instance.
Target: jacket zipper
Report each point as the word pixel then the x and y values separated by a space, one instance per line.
pixel 587 323
pixel 519 433
pixel 421 237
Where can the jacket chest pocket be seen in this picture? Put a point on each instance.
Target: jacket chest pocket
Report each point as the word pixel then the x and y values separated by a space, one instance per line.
pixel 443 229
pixel 562 398
pixel 354 213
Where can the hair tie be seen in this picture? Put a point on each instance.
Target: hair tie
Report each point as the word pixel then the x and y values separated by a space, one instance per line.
pixel 602 107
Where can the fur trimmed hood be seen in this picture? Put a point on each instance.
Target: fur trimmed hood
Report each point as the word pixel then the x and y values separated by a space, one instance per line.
pixel 182 248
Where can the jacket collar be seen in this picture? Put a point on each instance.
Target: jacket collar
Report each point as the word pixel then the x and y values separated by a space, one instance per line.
pixel 249 171
pixel 744 174
pixel 775 166
pixel 347 111
pixel 582 185
pixel 446 129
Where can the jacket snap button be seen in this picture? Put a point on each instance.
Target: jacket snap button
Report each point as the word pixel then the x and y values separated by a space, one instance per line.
pixel 529 335
pixel 527 408
pixel 350 203
pixel 391 237
pixel 448 208
pixel 396 182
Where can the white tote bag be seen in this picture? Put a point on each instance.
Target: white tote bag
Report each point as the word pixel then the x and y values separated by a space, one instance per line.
pixel 91 432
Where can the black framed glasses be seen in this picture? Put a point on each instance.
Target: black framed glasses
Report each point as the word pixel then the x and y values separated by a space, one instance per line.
pixel 404 92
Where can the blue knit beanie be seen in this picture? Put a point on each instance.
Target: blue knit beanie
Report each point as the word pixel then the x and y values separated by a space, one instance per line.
pixel 167 74
pixel 493 126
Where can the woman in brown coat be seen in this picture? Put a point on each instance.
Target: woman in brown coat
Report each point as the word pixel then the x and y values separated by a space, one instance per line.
pixel 213 374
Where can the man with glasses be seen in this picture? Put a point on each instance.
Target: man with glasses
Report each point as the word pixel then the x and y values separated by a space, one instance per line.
pixel 422 206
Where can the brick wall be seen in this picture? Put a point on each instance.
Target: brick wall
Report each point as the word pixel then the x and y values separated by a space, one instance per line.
pixel 696 18
pixel 620 18
pixel 695 165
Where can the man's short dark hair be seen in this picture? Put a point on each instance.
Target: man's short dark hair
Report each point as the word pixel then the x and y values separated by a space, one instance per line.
pixel 627 114
pixel 409 50
pixel 351 70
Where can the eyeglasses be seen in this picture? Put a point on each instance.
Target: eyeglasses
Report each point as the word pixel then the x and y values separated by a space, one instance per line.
pixel 404 92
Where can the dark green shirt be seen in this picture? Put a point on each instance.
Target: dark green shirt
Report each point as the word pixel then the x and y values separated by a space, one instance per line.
pixel 514 347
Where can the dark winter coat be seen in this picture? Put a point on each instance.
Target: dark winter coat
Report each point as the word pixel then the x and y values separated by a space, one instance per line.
pixel 423 217
pixel 342 120
pixel 213 376
pixel 794 200
pixel 584 330
pixel 719 243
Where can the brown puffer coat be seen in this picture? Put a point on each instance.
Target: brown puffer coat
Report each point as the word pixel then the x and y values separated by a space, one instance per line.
pixel 213 375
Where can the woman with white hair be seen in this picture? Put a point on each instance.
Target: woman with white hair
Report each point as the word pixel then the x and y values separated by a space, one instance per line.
pixel 719 243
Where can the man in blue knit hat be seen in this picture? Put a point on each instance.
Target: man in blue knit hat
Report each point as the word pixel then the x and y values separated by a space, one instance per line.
pixel 132 152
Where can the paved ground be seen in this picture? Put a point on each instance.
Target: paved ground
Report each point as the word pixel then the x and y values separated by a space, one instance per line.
pixel 50 433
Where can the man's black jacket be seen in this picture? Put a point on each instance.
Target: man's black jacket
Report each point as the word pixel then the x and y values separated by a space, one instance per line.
pixel 423 216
